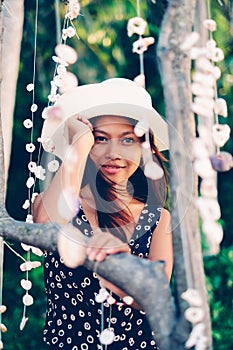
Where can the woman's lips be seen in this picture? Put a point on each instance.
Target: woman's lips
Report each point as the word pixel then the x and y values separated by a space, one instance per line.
pixel 111 169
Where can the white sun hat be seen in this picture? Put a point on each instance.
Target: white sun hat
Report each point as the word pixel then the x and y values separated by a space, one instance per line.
pixel 116 97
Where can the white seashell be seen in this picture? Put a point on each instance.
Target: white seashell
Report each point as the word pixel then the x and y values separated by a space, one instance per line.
pixel 26 204
pixel 27 123
pixel 128 300
pixel 58 80
pixel 141 45
pixel 107 336
pixel 141 128
pixel 206 79
pixel 209 208
pixel 30 182
pixel 3 328
pixel 30 87
pixel 111 300
pixel 136 25
pixel 221 134
pixel 34 195
pixel 101 297
pixel 208 188
pixel 69 81
pixel 25 247
pixel 217 72
pixel 203 168
pixel 23 323
pixel 192 296
pixel 61 70
pixel 213 231
pixel 40 173
pixel 72 252
pixel 60 61
pixel 199 149
pixel 197 332
pixel 37 251
pixel 53 165
pixel 30 147
pixel 27 300
pixel 217 55
pixel 221 107
pixel 66 53
pixel 204 65
pixel 196 52
pixel 194 314
pixel 29 219
pixel 201 90
pixel 201 110
pixel 26 284
pixel 140 80
pixel 1 344
pixel 34 107
pixel 32 166
pixel 2 309
pixel 210 24
pixel 153 171
pixel 189 41
pixel 28 265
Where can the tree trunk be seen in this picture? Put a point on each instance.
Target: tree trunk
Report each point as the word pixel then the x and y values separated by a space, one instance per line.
pixel 175 69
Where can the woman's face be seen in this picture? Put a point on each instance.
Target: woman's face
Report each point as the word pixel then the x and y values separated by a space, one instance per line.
pixel 117 150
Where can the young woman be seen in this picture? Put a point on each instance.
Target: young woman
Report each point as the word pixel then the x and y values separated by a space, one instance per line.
pixel 120 208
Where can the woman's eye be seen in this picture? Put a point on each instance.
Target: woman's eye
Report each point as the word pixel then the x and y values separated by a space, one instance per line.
pixel 128 140
pixel 101 139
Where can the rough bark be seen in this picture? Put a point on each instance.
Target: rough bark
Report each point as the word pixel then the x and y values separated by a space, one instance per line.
pixel 175 69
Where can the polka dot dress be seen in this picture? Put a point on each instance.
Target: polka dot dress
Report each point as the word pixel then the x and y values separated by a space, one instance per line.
pixel 74 319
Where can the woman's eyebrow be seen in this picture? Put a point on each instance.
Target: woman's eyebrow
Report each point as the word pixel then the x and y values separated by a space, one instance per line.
pixel 107 134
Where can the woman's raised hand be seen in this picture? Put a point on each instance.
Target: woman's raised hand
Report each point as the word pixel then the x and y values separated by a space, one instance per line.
pixel 80 130
pixel 102 244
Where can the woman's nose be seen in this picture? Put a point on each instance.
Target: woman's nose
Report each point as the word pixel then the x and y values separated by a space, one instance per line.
pixel 113 151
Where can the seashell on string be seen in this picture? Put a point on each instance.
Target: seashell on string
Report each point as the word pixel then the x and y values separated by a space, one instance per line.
pixel 34 107
pixel 27 123
pixel 30 87
pixel 102 295
pixel 27 300
pixel 189 41
pixel 194 314
pixel 73 253
pixel 209 208
pixel 47 144
pixel 53 166
pixel 73 9
pixel 192 296
pixel 28 265
pixel 221 134
pixel 26 284
pixel 217 73
pixel 203 64
pixel 201 109
pixel 213 231
pixel 199 148
pixel 25 247
pixel 23 323
pixel 203 168
pixel 29 219
pixel 206 79
pixel 69 32
pixel 221 161
pixel 66 53
pixel 30 182
pixel 153 171
pixel 128 300
pixel 69 81
pixel 30 147
pixel 26 204
pixel 220 107
pixel 61 70
pixel 196 52
pixel 54 113
pixel 201 90
pixel 40 173
pixel 2 309
pixel 210 24
pixel 111 300
pixel 107 336
pixel 217 55
pixel 141 128
pixel 136 25
pixel 3 328
pixel 59 60
pixel 208 188
pixel 32 167
pixel 37 251
pixel 34 195
pixel 196 333
pixel 140 80
pixel 142 44
pixel 58 80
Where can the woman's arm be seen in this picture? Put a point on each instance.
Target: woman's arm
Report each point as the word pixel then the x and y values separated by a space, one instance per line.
pixel 161 243
pixel 69 176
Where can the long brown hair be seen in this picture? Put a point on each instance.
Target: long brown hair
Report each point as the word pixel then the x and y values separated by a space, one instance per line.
pixel 110 215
